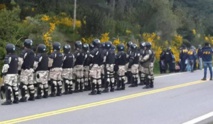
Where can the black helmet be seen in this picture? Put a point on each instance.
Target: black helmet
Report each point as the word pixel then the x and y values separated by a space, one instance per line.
pixel 103 45
pixel 66 48
pixel 148 45
pixel 28 43
pixel 85 47
pixel 113 47
pixel 56 46
pixel 108 45
pixel 134 47
pixel 41 48
pixel 96 42
pixel 120 47
pixel 129 44
pixel 78 45
pixel 91 46
pixel 142 45
pixel 10 48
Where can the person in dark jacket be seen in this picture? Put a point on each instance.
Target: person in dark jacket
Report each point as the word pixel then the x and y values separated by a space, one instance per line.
pixel 207 60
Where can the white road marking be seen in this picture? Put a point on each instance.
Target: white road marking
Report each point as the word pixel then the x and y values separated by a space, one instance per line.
pixel 199 119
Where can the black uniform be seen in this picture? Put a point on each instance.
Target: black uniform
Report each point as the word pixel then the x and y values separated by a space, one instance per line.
pixel 120 63
pixel 10 71
pixel 109 64
pixel 27 76
pixel 55 72
pixel 68 65
pixel 42 75
pixel 80 57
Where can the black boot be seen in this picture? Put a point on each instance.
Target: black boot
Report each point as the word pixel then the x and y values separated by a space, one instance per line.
pixel 32 97
pixel 8 94
pixel 147 85
pixel 98 89
pixel 118 85
pixel 151 84
pixel 46 93
pixel 39 94
pixel 93 92
pixel 59 90
pixel 81 87
pixel 106 89
pixel 53 90
pixel 122 85
pixel 15 95
pixel 66 88
pixel 76 87
pixel 112 87
pixel 23 94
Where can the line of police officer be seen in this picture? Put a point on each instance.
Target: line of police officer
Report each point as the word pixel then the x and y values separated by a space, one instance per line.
pixel 90 68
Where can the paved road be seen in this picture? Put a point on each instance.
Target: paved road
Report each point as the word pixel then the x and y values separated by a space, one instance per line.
pixel 176 98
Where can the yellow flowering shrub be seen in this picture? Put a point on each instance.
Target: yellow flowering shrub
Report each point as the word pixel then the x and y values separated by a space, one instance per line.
pixel 104 37
pixel 116 41
pixel 87 40
pixel 209 39
pixel 176 43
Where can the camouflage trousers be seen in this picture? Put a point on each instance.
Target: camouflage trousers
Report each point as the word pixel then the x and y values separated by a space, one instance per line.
pixel 27 82
pixel 121 72
pixel 11 86
pixel 134 70
pixel 110 73
pixel 42 81
pixel 67 73
pixel 95 74
pixel 55 76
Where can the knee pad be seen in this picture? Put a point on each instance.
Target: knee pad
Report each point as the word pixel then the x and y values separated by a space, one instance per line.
pixel 54 83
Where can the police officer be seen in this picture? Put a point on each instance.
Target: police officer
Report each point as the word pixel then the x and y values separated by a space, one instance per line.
pixel 183 58
pixel 169 59
pixel 87 82
pixel 78 67
pixel 120 69
pixel 95 67
pixel 148 63
pixel 128 72
pixel 55 64
pixel 27 76
pixel 141 68
pixel 207 60
pixel 103 51
pixel 109 61
pixel 67 73
pixel 133 65
pixel 10 73
pixel 41 71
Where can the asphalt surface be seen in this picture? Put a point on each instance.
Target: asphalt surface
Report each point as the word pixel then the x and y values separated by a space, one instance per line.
pixel 160 105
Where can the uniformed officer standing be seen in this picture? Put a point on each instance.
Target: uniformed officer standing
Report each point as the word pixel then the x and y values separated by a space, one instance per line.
pixel 128 72
pixel 55 64
pixel 79 67
pixel 148 63
pixel 109 61
pixel 41 71
pixel 27 76
pixel 95 68
pixel 67 73
pixel 10 75
pixel 87 82
pixel 207 60
pixel 120 62
pixel 133 65
pixel 141 68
